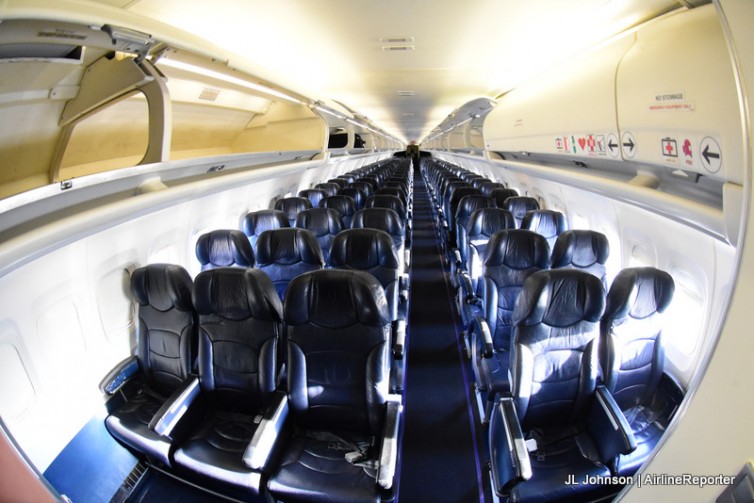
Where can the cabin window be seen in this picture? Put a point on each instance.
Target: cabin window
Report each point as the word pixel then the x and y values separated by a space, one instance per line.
pixel 685 319
pixel 116 310
pixel 114 137
pixel 18 398
pixel 641 257
pixel 578 222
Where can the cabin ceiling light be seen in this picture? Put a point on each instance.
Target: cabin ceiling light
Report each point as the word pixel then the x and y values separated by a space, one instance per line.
pixel 179 65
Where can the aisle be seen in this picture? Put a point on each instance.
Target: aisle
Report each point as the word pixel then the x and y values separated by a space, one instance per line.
pixel 440 461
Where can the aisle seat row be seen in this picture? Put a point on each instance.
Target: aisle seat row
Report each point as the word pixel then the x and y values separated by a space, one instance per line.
pixel 554 367
pixel 201 396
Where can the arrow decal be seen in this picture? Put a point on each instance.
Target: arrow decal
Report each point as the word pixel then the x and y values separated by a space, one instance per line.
pixel 709 155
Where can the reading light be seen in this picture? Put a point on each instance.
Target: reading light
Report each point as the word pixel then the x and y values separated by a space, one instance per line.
pixel 179 65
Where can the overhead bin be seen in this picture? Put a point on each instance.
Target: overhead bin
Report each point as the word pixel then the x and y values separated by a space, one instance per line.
pixel 660 99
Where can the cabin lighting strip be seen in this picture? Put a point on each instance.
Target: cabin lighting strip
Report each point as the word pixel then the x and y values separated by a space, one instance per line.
pixel 179 65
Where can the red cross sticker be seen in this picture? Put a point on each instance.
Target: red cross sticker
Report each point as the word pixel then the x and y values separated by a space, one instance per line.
pixel 669 147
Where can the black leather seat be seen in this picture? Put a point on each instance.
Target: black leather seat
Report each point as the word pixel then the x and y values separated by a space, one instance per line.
pixel 257 222
pixel 487 187
pixel 632 357
pixel 291 206
pixel 324 223
pixel 330 188
pixel 501 194
pixel 224 248
pixel 344 205
pixel 520 206
pixel 513 256
pixel 313 195
pixel 371 250
pixel 343 441
pixel 386 220
pixel 391 202
pixel 365 186
pixel 482 224
pixel 340 182
pixel 466 207
pixel 575 426
pixel 548 223
pixel 284 254
pixel 358 196
pixel 240 325
pixel 165 354
pixel 582 249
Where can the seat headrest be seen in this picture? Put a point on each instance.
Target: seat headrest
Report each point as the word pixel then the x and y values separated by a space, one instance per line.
pixel 387 201
pixel 500 194
pixel 379 218
pixel 292 205
pixel 320 221
pixel 223 248
pixel 549 223
pixel 559 298
pixel 487 221
pixel 639 292
pixel 580 248
pixel 363 249
pixel 469 204
pixel 313 195
pixel 257 222
pixel 462 192
pixel 288 246
pixel 334 298
pixel 330 188
pixel 520 205
pixel 237 294
pixel 356 194
pixel 345 205
pixel 517 249
pixel 162 286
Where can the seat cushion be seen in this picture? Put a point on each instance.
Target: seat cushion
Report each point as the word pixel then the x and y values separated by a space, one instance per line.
pixel 316 471
pixel 216 450
pixel 130 425
pixel 562 463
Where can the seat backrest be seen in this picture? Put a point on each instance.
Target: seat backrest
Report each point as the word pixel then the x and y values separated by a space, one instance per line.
pixel 330 188
pixel 512 256
pixel 240 325
pixel 257 222
pixel 224 248
pixel 291 207
pixel 324 223
pixel 482 224
pixel 313 195
pixel 478 182
pixel 345 205
pixel 582 249
pixel 631 352
pixel 393 191
pixel 454 201
pixel 166 328
pixel 365 186
pixel 466 207
pixel 554 351
pixel 356 194
pixel 369 250
pixel 500 194
pixel 487 187
pixel 284 254
pixel 388 201
pixel 338 333
pixel 340 182
pixel 548 223
pixel 383 219
pixel 520 206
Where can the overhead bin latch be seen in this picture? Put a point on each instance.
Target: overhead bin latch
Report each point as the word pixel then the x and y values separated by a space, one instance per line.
pixel 131 41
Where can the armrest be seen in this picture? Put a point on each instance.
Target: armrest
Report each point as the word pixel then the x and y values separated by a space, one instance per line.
pixel 260 448
pixel 119 375
pixel 509 456
pixel 468 288
pixel 389 450
pixel 399 338
pixel 480 326
pixel 171 412
pixel 457 257
pixel 608 426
